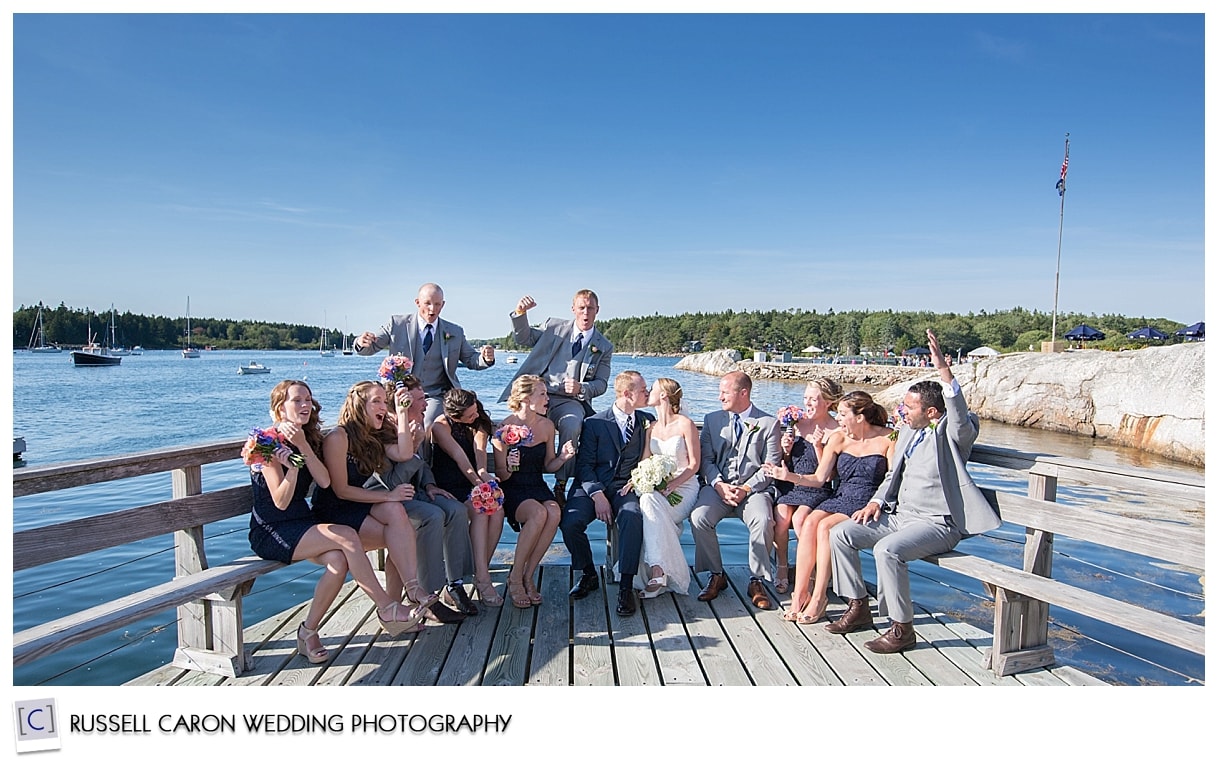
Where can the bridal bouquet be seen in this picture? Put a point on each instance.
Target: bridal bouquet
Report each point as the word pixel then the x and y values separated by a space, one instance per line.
pixel 487 497
pixel 789 415
pixel 652 475
pixel 513 436
pixel 395 369
pixel 260 447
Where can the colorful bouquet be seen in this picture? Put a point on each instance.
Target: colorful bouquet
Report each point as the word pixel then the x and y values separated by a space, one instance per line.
pixel 487 497
pixel 789 415
pixel 513 436
pixel 652 475
pixel 396 368
pixel 261 446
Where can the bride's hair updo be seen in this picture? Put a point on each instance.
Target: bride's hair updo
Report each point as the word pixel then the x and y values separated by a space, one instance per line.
pixel 672 391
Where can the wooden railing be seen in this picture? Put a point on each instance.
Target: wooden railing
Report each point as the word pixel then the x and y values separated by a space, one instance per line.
pixel 208 599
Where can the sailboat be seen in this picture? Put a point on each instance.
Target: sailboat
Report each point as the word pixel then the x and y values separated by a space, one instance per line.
pixel 93 355
pixel 38 340
pixel 324 351
pixel 188 352
pixel 347 351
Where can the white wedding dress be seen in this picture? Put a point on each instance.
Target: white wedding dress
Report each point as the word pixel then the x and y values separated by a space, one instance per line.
pixel 661 529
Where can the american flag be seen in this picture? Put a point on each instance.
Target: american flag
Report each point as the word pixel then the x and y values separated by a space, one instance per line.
pixel 1061 183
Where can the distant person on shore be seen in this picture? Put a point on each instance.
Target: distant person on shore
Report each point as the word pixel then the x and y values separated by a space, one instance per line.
pixel 860 454
pixel 735 443
pixel 460 437
pixel 357 460
pixel 524 452
pixel 283 527
pixel 925 505
pixel 435 346
pixel 440 521
pixel 610 446
pixel 573 359
pixel 802 444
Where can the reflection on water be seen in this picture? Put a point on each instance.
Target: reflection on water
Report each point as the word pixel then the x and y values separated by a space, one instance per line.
pixel 160 400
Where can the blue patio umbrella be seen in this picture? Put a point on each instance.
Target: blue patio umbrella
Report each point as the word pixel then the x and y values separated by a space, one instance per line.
pixel 1146 333
pixel 1193 332
pixel 916 351
pixel 1084 332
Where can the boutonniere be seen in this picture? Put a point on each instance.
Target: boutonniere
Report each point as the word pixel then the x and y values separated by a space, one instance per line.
pixel 448 336
pixel 752 427
pixel 893 435
pixel 932 426
pixel 646 424
pixel 594 350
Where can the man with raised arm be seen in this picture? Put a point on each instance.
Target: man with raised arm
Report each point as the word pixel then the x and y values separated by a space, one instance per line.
pixel 925 505
pixel 573 359
pixel 435 346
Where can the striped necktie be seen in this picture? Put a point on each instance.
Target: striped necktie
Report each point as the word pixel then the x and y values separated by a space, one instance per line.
pixel 914 444
pixel 626 436
pixel 737 428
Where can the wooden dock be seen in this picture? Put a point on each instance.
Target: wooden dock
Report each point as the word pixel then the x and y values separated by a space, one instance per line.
pixel 673 640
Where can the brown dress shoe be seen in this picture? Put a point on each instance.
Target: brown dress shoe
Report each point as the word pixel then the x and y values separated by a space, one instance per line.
pixel 857 616
pixel 717 582
pixel 899 638
pixel 758 595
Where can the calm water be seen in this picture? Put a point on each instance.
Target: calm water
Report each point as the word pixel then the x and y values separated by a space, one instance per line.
pixel 160 400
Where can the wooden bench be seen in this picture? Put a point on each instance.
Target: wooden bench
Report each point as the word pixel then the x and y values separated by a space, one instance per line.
pixel 1023 595
pixel 209 599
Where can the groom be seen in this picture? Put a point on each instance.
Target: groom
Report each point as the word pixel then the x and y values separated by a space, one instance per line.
pixel 610 447
pixel 735 443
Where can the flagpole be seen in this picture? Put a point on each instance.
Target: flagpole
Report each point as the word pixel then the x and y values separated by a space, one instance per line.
pixel 1061 190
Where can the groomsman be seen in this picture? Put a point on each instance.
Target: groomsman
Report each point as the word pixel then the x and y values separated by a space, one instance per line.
pixel 435 346
pixel 573 359
pixel 611 446
pixel 735 443
pixel 925 505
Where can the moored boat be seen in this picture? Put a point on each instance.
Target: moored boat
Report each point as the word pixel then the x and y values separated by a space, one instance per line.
pixel 94 355
pixel 253 368
pixel 188 352
pixel 38 339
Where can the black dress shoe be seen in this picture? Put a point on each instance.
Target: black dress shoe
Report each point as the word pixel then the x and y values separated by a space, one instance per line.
pixel 588 582
pixel 456 597
pixel 626 604
pixel 442 613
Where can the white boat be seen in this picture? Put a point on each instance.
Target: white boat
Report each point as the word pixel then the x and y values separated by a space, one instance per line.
pixel 253 368
pixel 94 355
pixel 347 350
pixel 324 351
pixel 511 360
pixel 38 340
pixel 137 351
pixel 188 352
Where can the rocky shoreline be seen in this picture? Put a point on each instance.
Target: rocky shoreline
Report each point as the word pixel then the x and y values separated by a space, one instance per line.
pixel 1152 399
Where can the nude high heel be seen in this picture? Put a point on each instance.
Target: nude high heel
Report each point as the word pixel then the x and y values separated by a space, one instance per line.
pixel 308 644
pixel 485 590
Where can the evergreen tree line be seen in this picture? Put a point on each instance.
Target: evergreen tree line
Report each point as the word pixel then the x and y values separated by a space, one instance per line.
pixel 852 333
pixel 845 333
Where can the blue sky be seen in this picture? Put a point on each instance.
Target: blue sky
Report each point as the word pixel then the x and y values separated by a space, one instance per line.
pixel 301 168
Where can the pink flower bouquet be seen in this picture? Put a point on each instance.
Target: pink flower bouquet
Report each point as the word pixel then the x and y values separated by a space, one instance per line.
pixel 396 368
pixel 513 436
pixel 260 448
pixel 487 497
pixel 789 415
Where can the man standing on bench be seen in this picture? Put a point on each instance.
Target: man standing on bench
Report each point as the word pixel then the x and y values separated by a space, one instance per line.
pixel 925 505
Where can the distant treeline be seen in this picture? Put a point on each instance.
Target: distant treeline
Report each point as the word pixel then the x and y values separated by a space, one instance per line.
pixel 855 332
pixel 845 333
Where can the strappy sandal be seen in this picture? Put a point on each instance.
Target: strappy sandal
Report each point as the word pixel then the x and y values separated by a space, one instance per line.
pixel 416 596
pixel 782 582
pixel 308 644
pixel 530 588
pixel 808 618
pixel 485 591
pixel 520 597
pixel 394 625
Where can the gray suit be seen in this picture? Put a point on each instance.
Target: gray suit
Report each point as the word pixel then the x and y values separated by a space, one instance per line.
pixel 401 336
pixel 928 503
pixel 441 526
pixel 736 463
pixel 551 360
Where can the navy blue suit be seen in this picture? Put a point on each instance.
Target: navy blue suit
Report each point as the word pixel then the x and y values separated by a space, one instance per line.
pixel 604 464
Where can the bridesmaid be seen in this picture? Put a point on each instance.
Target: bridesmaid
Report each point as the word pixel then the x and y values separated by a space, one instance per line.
pixel 459 438
pixel 528 503
pixel 861 453
pixel 801 450
pixel 354 452
pixel 283 528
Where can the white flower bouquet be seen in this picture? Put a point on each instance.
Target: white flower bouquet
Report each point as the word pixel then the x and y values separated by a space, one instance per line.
pixel 652 475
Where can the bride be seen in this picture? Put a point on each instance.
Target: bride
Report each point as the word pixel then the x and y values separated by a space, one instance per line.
pixel 663 562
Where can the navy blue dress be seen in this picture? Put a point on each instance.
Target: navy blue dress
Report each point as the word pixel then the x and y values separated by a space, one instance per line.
pixel 328 508
pixel 858 479
pixel 526 483
pixel 803 462
pixel 275 532
pixel 447 473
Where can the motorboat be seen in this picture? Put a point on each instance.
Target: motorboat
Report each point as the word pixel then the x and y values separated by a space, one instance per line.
pixel 253 368
pixel 94 355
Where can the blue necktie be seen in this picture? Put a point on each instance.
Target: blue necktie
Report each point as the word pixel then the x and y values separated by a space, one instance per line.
pixel 577 346
pixel 626 436
pixel 736 428
pixel 427 339
pixel 914 444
